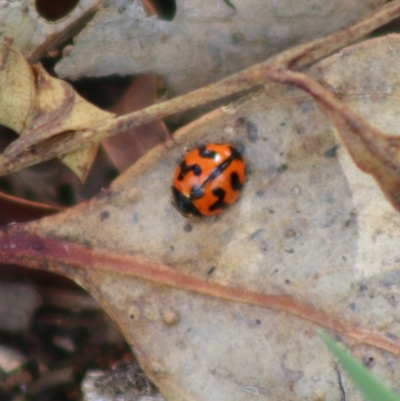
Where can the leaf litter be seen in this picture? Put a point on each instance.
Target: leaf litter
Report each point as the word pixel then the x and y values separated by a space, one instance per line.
pixel 33 34
pixel 286 253
pixel 245 80
pixel 43 110
pixel 212 40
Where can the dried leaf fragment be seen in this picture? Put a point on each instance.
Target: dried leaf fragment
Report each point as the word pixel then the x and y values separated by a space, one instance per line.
pixel 374 151
pixel 17 88
pixel 44 110
pixel 33 34
pixel 212 40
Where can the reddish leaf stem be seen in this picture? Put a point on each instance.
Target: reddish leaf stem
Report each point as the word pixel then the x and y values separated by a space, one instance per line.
pixel 70 260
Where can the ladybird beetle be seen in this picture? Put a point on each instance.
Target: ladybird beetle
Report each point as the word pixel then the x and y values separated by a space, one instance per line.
pixel 209 179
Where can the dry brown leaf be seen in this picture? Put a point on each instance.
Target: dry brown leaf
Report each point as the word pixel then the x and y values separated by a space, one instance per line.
pixel 227 307
pixel 205 41
pixel 17 88
pixel 252 77
pixel 375 151
pixel 34 35
pixel 43 110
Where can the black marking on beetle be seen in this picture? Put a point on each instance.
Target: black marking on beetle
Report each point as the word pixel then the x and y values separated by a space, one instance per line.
pixel 185 169
pixel 197 192
pixel 235 181
pixel 207 153
pixel 220 203
pixel 235 155
pixel 218 171
pixel 184 204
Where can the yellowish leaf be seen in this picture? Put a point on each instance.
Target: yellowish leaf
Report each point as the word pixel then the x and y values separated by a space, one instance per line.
pixel 44 110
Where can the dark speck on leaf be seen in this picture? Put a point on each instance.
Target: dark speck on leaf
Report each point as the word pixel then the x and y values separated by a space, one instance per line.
pixel 230 4
pixel 332 152
pixel 187 228
pixel 362 288
pixel 392 336
pixel 350 223
pixel 105 214
pixel 37 245
pixel 282 168
pixel 212 270
pixel 239 121
pixel 256 234
pixel 304 107
pixel 290 233
pixel 252 131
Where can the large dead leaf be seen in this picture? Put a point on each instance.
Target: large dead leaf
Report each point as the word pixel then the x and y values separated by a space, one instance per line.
pixel 37 148
pixel 226 308
pixel 205 42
